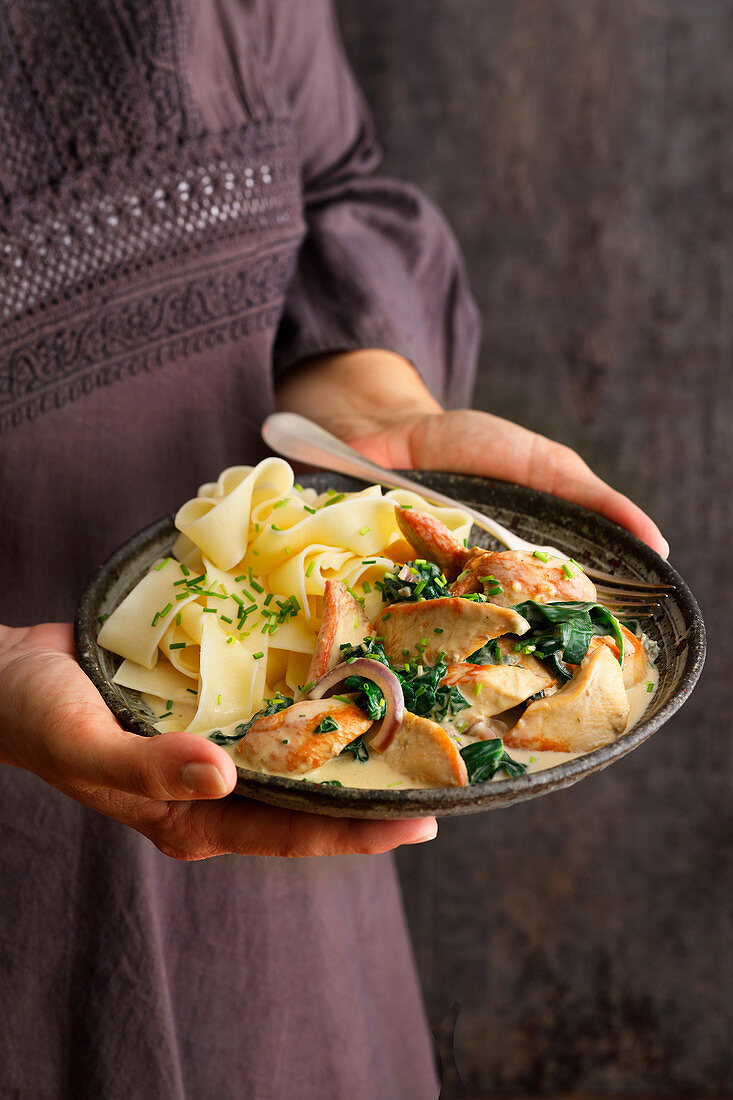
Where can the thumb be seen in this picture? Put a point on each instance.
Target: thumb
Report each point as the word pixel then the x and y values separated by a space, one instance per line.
pixel 170 766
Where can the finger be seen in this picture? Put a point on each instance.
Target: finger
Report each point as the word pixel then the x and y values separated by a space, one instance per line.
pixel 245 827
pixel 478 443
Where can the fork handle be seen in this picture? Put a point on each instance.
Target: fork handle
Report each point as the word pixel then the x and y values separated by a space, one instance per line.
pixel 298 438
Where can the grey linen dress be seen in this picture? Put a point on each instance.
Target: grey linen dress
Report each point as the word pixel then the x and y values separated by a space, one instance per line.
pixel 186 209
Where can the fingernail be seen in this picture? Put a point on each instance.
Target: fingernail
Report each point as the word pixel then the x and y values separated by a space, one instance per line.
pixel 428 833
pixel 665 551
pixel 203 779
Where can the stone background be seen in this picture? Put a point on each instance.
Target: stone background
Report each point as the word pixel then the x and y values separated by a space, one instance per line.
pixel 582 151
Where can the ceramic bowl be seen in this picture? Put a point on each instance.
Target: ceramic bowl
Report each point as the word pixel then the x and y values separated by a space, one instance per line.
pixel 677 628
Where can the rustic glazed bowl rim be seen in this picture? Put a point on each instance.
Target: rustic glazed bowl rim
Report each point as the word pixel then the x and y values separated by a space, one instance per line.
pixel 344 801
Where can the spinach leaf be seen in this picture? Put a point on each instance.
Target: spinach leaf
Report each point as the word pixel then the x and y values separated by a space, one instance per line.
pixel 489 654
pixel 483 759
pixel 561 632
pixel 358 749
pixel 421 686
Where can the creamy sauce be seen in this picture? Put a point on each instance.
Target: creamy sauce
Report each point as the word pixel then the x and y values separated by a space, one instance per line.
pixel 376 774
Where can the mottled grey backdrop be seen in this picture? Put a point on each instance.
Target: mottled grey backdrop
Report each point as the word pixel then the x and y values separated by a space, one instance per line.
pixel 582 151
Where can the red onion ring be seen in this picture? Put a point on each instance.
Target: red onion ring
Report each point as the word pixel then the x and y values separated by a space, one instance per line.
pixel 382 733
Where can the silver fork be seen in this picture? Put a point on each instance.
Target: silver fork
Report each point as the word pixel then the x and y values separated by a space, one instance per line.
pixel 301 439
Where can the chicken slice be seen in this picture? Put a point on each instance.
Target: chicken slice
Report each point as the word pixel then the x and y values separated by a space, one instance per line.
pixel 343 624
pixel 433 540
pixel 289 742
pixel 449 626
pixel 636 664
pixel 423 750
pixel 492 689
pixel 521 576
pixel 589 711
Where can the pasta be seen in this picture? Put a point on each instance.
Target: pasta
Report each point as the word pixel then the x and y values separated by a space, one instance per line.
pixel 231 618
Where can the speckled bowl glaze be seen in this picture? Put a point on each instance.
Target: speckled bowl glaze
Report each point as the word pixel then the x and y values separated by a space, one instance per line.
pixel 677 628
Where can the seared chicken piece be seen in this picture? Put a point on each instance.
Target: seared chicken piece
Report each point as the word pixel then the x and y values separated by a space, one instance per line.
pixel 589 711
pixel 492 689
pixel 424 751
pixel 343 623
pixel 636 665
pixel 521 576
pixel 433 540
pixel 289 741
pixel 453 627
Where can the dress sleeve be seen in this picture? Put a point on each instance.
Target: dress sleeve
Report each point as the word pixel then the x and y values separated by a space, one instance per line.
pixel 379 266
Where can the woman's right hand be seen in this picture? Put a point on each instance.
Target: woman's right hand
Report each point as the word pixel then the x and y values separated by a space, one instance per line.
pixel 171 788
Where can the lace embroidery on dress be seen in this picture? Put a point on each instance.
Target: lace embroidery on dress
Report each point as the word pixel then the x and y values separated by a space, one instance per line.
pixel 127 237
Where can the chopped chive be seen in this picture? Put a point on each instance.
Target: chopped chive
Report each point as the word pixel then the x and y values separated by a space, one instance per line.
pixel 178 619
pixel 209 611
pixel 168 607
pixel 465 543
pixel 257 656
pixel 567 570
pixel 182 596
pixel 156 616
pixel 285 742
pixel 477 689
pixel 280 503
pixel 268 599
pixel 495 591
pixel 387 615
pixel 238 599
pixel 177 645
pixel 298 486
pixel 192 691
pixel 257 587
pixel 311 510
pixel 184 569
pixel 182 581
pixel 422 644
pixel 367 587
pixel 249 595
pixel 356 622
pixel 160 564
pixel 102 618
pixel 405 653
pixel 166 715
pixel 218 700
pixel 230 639
pixel 225 619
pixel 311 565
pixel 438 630
pixel 241 577
pixel 197 580
pixel 335 499
pixel 264 629
pixel 257 527
pixel 307 687
pixel 168 704
pixel 365 530
pixel 256 552
pixel 275 527
pixel 370 561
pixel 272 629
pixel 248 610
pixel 294 603
pixel 540 555
pixel 462 576
pixel 405 507
pixel 485 580
pixel 649 686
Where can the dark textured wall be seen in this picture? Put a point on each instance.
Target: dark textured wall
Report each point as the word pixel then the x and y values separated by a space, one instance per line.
pixel 582 151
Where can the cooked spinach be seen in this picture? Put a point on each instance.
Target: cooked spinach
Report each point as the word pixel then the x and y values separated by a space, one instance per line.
pixel 483 759
pixel 422 580
pixel 561 632
pixel 421 686
pixel 326 725
pixel 358 749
